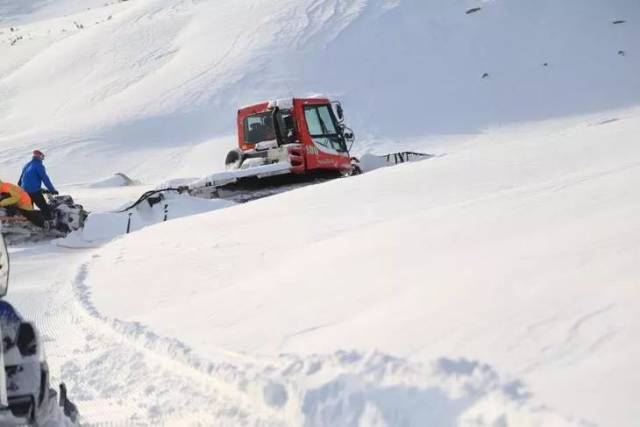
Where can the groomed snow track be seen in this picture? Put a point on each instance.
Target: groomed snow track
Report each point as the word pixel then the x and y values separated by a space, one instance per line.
pixel 122 373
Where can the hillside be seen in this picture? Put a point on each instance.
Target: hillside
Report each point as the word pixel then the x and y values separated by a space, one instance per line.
pixel 492 285
pixel 153 85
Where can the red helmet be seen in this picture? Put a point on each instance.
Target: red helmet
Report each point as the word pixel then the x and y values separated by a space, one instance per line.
pixel 38 154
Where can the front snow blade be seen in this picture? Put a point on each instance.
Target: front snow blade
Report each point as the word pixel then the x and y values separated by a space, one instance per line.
pixel 405 156
pixel 369 162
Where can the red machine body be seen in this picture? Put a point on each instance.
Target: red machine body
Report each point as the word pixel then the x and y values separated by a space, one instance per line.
pixel 308 133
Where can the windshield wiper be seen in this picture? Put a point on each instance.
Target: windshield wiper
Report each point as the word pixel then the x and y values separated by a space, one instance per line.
pixel 325 131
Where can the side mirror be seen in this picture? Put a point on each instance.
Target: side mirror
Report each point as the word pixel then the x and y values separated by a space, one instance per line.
pixel 26 340
pixel 288 122
pixel 339 110
pixel 4 267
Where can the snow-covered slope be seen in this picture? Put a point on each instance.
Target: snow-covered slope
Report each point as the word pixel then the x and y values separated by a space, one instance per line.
pixel 145 83
pixel 520 252
pixel 494 284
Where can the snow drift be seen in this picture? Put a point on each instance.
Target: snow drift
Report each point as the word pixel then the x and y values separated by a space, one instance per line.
pixel 116 180
pixel 101 227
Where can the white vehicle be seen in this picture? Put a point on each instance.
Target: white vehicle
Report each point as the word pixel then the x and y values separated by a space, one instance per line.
pixel 26 397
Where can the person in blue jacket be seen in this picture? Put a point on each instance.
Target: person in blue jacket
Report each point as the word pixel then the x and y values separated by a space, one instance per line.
pixel 33 176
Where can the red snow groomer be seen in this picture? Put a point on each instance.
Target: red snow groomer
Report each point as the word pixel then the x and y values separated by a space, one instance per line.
pixel 307 135
pixel 287 143
pixel 281 144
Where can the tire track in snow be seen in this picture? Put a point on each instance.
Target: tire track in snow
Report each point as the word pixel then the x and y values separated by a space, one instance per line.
pixel 111 378
pixel 583 336
pixel 237 386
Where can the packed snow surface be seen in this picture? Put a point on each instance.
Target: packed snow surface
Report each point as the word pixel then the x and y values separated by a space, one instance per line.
pixel 494 284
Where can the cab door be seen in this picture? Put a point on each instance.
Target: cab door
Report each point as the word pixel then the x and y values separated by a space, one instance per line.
pixel 321 135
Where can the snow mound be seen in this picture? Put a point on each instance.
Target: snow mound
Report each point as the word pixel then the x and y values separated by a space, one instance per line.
pixel 354 389
pixel 117 180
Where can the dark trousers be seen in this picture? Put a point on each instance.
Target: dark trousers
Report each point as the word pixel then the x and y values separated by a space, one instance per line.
pixel 34 217
pixel 38 199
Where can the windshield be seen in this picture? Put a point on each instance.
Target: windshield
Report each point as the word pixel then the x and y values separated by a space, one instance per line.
pixel 323 127
pixel 259 127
